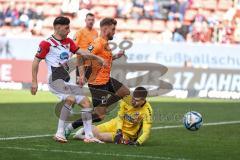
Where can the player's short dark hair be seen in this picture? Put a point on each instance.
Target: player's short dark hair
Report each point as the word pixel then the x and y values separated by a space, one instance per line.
pixel 108 22
pixel 61 20
pixel 89 14
pixel 140 92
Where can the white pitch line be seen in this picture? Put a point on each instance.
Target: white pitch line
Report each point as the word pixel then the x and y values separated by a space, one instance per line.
pixel 25 137
pixel 94 153
pixel 154 128
pixel 204 124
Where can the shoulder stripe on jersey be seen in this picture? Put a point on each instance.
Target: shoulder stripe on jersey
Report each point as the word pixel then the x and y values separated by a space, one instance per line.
pixel 54 42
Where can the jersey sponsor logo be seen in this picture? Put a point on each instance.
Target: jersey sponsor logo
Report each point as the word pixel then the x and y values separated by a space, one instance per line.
pixel 135 118
pixel 136 114
pixel 68 46
pixel 64 56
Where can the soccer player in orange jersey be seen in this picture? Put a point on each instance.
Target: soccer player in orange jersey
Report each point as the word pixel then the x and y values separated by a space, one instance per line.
pixel 100 83
pixel 83 38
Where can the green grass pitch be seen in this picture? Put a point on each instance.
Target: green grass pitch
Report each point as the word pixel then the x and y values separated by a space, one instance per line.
pixel 23 115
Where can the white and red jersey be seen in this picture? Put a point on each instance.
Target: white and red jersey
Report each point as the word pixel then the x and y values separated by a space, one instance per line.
pixel 56 52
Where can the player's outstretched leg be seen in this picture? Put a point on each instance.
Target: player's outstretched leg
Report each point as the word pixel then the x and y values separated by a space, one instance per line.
pixel 65 111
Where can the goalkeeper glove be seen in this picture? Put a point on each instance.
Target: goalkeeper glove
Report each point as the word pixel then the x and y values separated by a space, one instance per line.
pixel 133 143
pixel 118 137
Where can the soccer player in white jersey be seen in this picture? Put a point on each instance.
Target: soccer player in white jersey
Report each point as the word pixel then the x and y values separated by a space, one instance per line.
pixel 56 51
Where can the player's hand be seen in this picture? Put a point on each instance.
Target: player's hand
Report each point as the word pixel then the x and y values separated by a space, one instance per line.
pixel 120 53
pixel 34 88
pixel 133 143
pixel 118 137
pixel 81 81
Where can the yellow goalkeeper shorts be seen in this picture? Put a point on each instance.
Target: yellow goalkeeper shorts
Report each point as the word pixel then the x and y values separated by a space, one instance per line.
pixel 111 127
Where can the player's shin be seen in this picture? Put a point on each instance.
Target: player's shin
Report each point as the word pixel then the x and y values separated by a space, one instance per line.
pixel 65 111
pixel 87 122
pixel 79 122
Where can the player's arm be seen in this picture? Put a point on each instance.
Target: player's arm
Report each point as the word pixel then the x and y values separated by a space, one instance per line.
pixel 80 60
pixel 88 55
pixel 35 66
pixel 146 128
pixel 81 71
pixel 41 54
pixel 119 54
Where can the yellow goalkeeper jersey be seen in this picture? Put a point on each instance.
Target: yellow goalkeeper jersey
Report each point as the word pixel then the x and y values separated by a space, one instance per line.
pixel 136 122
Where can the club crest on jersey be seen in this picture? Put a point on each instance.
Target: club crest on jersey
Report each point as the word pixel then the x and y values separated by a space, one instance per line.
pixel 68 46
pixel 39 50
pixel 136 114
pixel 90 48
pixel 64 55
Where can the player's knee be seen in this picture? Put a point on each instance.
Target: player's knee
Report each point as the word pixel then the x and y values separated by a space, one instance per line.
pixel 97 118
pixel 101 116
pixel 70 100
pixel 85 102
pixel 123 91
pixel 101 111
pixel 126 90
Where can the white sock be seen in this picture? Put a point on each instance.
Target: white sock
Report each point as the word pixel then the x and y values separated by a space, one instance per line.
pixel 63 117
pixel 70 127
pixel 87 122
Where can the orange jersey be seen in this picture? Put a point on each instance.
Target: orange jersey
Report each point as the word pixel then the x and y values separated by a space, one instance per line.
pixel 101 75
pixel 84 37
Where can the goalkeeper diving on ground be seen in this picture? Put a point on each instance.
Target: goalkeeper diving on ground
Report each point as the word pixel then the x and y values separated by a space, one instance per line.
pixel 132 125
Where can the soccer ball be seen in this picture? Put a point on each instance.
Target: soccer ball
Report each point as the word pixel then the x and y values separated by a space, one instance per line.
pixel 192 120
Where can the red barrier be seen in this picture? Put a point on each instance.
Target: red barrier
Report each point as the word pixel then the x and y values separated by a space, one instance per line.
pixel 21 71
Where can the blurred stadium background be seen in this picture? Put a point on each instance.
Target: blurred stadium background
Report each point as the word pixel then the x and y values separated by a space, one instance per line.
pixel 197 40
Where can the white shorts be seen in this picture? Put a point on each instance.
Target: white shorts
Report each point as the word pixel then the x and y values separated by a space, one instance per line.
pixel 64 89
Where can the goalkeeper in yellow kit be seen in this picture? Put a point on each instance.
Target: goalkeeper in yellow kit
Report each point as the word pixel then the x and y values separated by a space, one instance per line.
pixel 133 124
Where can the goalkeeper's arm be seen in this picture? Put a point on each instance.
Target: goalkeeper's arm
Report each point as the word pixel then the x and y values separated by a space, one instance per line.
pixel 145 133
pixel 146 128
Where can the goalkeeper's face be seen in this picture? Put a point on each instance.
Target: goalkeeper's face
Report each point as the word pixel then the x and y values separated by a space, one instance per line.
pixel 138 101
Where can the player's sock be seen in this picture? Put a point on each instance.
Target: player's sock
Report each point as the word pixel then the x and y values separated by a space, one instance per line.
pixel 70 127
pixel 79 122
pixel 68 130
pixel 65 111
pixel 87 122
pixel 96 118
